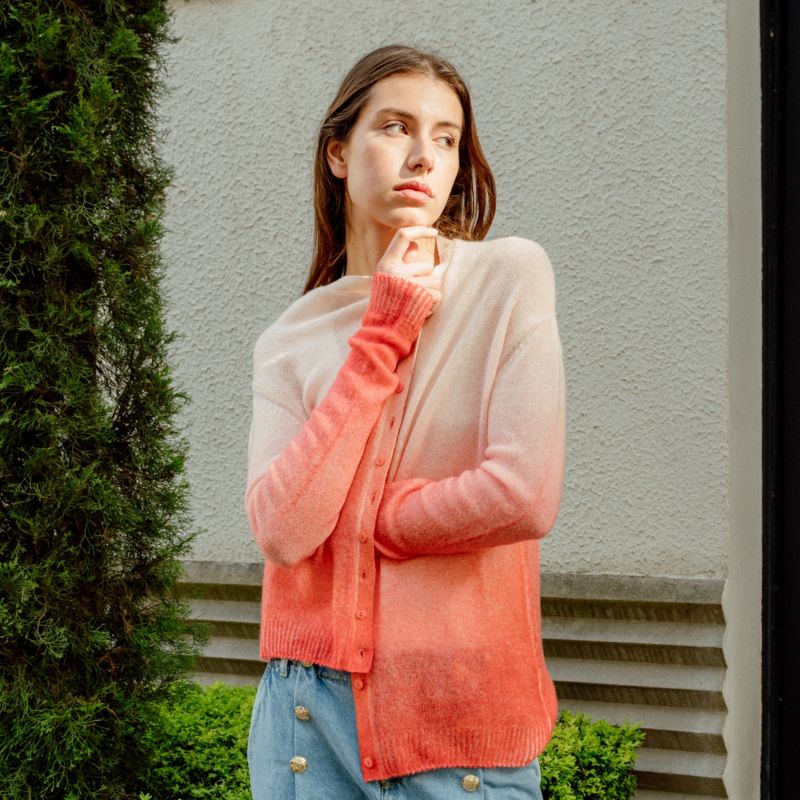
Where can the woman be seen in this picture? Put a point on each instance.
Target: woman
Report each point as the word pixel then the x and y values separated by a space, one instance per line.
pixel 406 455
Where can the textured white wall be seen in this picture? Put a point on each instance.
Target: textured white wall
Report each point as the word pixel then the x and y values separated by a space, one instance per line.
pixel 605 124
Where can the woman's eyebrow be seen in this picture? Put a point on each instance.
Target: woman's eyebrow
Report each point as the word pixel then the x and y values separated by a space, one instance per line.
pixel 398 112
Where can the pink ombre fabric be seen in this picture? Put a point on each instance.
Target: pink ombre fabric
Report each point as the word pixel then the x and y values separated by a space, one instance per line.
pixel 402 471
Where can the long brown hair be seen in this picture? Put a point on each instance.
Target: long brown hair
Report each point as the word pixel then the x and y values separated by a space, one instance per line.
pixel 469 210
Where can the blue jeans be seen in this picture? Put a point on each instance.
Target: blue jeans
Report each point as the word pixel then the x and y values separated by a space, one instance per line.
pixel 304 746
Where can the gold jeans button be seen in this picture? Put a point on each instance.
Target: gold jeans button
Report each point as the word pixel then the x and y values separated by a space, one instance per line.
pixel 298 764
pixel 301 712
pixel 470 783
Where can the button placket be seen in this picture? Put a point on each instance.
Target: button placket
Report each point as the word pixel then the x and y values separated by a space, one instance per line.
pixel 386 438
pixel 380 451
pixel 364 599
pixel 302 713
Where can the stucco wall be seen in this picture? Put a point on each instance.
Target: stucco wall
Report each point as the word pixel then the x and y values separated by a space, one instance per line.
pixel 605 124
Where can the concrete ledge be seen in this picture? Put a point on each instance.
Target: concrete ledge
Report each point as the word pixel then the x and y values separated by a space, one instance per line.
pixel 574 586
pixel 637 588
pixel 224 573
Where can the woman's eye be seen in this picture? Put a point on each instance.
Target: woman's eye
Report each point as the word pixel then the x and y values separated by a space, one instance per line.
pixel 448 141
pixel 394 127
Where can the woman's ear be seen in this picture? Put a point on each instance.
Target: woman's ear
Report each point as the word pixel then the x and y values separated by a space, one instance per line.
pixel 335 154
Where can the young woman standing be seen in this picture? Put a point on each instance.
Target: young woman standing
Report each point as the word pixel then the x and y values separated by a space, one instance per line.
pixel 406 455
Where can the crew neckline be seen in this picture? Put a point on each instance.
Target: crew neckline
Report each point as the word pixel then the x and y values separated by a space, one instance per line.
pixel 362 284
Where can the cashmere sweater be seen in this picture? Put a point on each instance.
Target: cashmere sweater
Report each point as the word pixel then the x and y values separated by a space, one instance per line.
pixel 402 469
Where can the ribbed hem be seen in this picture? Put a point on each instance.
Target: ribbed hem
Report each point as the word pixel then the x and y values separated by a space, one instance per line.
pixel 292 640
pixel 397 298
pixel 424 750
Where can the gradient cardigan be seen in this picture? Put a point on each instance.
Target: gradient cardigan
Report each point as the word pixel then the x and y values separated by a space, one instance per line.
pixel 402 470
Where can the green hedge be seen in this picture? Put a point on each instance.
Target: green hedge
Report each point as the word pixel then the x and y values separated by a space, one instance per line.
pixel 201 752
pixel 590 759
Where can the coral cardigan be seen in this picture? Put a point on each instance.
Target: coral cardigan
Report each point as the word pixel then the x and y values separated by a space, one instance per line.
pixel 402 468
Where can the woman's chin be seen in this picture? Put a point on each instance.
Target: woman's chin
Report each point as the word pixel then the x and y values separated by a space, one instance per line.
pixel 411 217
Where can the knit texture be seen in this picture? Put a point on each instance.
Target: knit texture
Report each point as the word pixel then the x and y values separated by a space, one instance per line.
pixel 402 470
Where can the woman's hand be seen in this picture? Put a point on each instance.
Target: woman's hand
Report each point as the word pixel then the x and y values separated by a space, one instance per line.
pixel 410 255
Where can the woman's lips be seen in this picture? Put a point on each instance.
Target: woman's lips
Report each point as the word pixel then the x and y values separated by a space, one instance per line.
pixel 413 193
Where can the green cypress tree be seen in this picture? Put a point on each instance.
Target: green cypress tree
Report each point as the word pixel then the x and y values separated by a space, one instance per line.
pixel 93 502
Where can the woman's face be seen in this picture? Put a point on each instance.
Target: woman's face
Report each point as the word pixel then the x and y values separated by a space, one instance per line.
pixel 401 159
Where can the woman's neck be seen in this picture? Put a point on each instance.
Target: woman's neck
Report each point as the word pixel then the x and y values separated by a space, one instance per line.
pixel 365 248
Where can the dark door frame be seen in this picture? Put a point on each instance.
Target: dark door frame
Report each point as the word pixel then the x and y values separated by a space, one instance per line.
pixel 780 83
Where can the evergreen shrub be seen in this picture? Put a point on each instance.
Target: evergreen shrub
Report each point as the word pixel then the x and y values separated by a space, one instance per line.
pixel 93 503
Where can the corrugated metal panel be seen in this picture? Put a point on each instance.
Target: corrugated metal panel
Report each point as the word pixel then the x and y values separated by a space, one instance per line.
pixel 645 650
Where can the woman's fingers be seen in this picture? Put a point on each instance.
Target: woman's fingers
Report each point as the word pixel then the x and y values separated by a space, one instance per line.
pixel 399 245
pixel 411 241
pixel 437 298
pixel 433 283
pixel 428 281
pixel 411 269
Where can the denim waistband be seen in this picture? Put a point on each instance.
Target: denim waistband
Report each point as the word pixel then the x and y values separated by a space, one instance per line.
pixel 285 665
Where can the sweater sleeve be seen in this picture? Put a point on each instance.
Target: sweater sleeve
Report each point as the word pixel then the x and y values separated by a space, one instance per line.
pixel 300 473
pixel 515 491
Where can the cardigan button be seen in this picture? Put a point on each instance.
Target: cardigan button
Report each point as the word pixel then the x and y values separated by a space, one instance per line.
pixel 358 683
pixel 301 712
pixel 380 461
pixel 360 614
pixel 298 764
pixel 470 783
pixel 399 387
pixel 368 762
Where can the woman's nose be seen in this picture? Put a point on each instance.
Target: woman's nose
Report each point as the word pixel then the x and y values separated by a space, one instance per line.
pixel 422 155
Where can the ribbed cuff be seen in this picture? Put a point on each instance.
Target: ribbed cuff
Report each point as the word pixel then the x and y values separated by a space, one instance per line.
pixel 397 298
